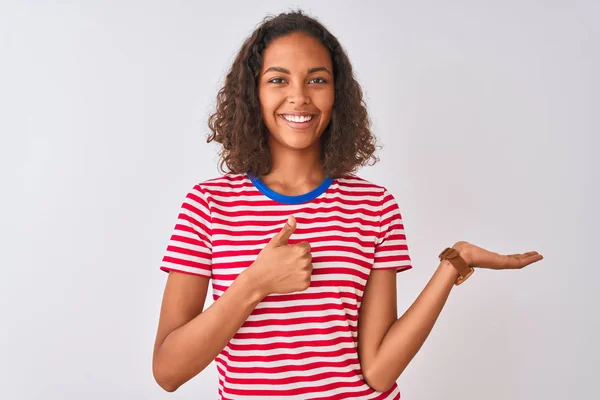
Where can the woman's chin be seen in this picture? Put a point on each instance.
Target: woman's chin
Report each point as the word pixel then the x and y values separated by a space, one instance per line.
pixel 295 142
pixel 300 144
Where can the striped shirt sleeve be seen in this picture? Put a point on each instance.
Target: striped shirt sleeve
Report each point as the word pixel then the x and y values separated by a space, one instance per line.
pixel 391 248
pixel 190 248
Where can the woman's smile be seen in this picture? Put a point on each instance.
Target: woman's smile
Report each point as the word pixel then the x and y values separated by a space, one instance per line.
pixel 299 122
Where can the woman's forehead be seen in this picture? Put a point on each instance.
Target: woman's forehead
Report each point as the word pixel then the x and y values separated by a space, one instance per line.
pixel 296 51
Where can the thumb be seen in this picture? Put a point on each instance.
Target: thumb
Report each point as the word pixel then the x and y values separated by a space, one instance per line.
pixel 282 237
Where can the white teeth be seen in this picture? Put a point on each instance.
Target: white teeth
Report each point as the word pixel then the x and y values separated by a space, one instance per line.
pixel 294 118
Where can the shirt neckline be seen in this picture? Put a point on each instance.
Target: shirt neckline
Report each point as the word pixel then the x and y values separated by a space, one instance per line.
pixel 282 198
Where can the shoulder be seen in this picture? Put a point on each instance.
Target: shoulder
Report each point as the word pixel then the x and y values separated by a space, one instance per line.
pixel 222 184
pixel 371 193
pixel 207 191
pixel 357 183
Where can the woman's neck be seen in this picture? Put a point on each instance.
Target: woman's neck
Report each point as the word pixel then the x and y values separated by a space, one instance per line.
pixel 294 177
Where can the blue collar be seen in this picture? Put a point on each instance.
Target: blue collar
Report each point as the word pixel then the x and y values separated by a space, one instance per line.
pixel 281 198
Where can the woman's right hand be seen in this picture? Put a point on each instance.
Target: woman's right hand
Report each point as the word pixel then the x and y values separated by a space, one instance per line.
pixel 281 267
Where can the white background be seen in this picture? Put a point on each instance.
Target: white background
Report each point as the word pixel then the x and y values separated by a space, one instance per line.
pixel 488 114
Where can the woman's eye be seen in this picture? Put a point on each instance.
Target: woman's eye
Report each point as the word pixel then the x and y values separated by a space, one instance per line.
pixel 313 80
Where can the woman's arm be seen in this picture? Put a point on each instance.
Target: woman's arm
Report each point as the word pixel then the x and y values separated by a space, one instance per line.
pixel 383 363
pixel 188 340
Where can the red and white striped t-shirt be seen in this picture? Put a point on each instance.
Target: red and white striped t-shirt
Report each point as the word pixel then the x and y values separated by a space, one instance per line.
pixel 300 345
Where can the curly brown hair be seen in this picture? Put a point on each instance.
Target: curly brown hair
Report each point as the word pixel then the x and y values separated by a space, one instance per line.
pixel 237 124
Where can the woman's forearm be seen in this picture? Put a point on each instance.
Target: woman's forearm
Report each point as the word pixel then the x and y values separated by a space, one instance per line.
pixel 406 336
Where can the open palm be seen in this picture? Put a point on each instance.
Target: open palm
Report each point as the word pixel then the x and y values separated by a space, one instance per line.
pixel 478 257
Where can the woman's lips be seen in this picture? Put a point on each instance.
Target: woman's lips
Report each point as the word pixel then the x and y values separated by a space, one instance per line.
pixel 298 125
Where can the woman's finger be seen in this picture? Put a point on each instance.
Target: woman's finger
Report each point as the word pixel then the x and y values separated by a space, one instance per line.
pixel 523 254
pixel 518 261
pixel 488 259
pixel 532 257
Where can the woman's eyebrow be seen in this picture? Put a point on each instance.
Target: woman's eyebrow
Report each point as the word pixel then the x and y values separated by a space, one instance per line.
pixel 286 71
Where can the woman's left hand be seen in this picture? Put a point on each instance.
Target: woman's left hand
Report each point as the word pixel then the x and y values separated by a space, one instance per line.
pixel 481 258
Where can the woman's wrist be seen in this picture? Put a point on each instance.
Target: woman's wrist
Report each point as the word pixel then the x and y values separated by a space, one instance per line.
pixel 252 284
pixel 449 270
pixel 453 268
pixel 462 248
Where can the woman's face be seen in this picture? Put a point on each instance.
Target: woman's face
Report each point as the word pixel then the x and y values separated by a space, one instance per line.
pixel 296 90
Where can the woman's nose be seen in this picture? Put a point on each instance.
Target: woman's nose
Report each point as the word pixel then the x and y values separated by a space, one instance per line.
pixel 298 94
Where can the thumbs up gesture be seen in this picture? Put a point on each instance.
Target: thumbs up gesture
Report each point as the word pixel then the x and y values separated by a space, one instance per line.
pixel 281 267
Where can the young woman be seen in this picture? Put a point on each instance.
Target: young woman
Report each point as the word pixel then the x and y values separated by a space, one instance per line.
pixel 304 308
